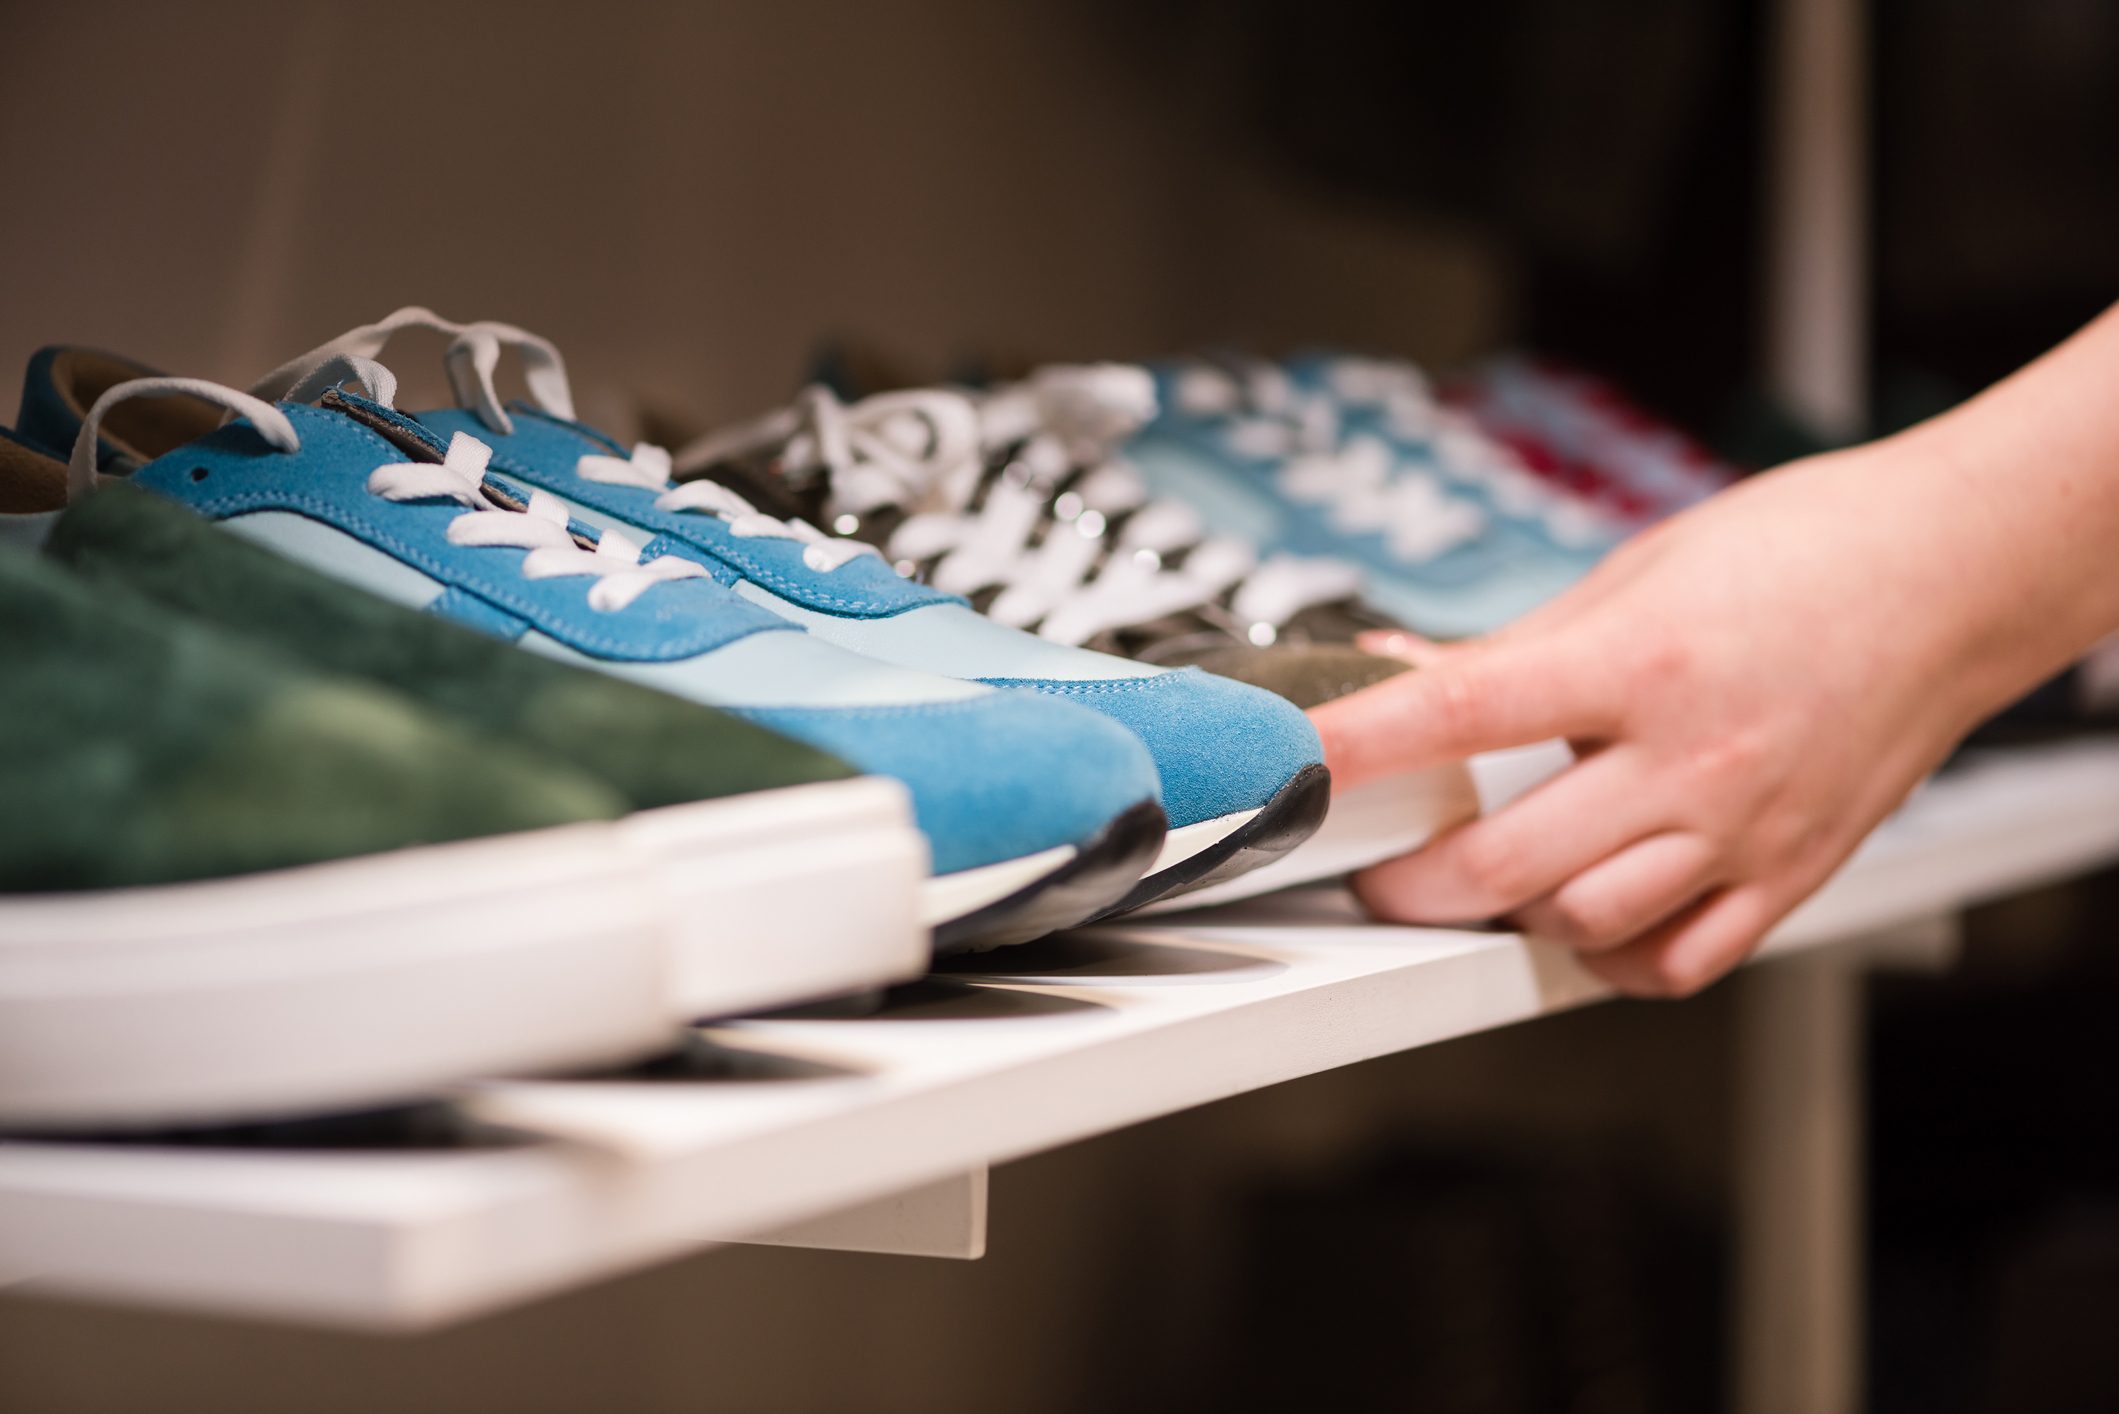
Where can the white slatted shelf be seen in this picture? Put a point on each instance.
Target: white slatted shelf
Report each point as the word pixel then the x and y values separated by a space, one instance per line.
pixel 1062 1040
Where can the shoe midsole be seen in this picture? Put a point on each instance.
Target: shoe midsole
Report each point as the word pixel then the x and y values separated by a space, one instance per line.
pixel 355 982
pixel 948 896
pixel 1187 840
pixel 788 896
pixel 1364 826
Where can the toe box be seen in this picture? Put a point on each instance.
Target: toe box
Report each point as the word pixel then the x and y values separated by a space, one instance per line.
pixel 993 777
pixel 1219 746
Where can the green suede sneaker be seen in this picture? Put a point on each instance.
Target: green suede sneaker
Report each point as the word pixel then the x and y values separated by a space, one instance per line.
pixel 790 876
pixel 230 888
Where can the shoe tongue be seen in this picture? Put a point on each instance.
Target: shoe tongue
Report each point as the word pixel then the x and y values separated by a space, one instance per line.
pixel 401 432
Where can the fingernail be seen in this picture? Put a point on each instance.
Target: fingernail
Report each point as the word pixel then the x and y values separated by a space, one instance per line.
pixel 1395 643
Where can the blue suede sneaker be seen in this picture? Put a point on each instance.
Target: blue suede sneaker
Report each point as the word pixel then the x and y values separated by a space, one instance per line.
pixel 1241 770
pixel 1038 814
pixel 1290 466
pixel 1046 528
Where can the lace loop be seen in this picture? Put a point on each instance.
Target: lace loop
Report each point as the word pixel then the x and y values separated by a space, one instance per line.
pixel 273 425
pixel 470 360
pixel 302 373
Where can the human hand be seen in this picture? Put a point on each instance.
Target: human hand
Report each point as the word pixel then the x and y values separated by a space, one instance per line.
pixel 1749 688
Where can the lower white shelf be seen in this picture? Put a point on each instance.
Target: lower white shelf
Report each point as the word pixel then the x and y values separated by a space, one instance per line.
pixel 773 1126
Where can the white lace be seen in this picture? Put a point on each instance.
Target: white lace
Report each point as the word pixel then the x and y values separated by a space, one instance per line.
pixel 1364 486
pixel 541 528
pixel 649 468
pixel 1366 492
pixel 471 358
pixel 924 452
pixel 1462 450
pixel 273 425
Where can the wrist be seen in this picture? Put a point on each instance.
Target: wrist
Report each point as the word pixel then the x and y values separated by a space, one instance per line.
pixel 2012 561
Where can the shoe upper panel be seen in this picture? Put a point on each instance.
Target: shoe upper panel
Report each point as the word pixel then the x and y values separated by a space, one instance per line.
pixel 345 558
pixel 956 641
pixel 1221 747
pixel 225 774
pixel 362 620
pixel 781 670
pixel 993 777
pixel 236 474
pixel 545 451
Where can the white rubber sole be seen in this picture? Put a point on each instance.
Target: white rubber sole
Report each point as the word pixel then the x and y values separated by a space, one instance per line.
pixel 787 896
pixel 1187 840
pixel 1365 826
pixel 948 896
pixel 354 983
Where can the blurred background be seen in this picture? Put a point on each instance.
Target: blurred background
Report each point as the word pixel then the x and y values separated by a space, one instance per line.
pixel 694 199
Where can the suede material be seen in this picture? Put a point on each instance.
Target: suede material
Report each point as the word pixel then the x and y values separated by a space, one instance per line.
pixel 143 748
pixel 235 471
pixel 991 780
pixel 653 749
pixel 1188 751
pixel 543 450
pixel 1308 675
pixel 1048 774
pixel 1220 746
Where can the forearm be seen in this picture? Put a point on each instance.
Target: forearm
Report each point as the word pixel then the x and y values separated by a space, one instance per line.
pixel 2016 496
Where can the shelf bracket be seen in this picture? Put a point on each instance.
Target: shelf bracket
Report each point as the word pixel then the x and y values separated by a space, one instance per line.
pixel 946 1218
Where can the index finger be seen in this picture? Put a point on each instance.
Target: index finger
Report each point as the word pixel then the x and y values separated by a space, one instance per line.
pixel 1480 697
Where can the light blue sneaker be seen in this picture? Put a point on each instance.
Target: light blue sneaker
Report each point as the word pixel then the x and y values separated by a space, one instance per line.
pixel 1291 467
pixel 1241 770
pixel 1038 814
pixel 1393 400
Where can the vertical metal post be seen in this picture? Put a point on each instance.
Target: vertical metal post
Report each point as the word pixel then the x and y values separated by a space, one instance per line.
pixel 1817 317
pixel 1799 1309
pixel 1798 1295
